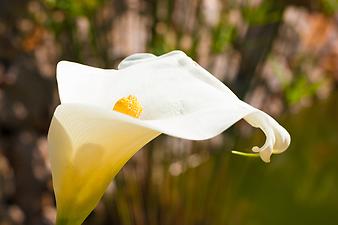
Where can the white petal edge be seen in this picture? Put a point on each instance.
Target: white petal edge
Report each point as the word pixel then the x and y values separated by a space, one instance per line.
pixel 174 82
pixel 134 59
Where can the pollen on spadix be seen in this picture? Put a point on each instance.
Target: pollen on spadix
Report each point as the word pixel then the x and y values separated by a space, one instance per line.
pixel 129 105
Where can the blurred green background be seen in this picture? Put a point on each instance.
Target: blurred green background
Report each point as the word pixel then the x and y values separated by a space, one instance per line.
pixel 280 56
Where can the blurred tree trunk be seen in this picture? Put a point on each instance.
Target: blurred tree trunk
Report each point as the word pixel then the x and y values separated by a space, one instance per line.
pixel 258 41
pixel 255 47
pixel 254 50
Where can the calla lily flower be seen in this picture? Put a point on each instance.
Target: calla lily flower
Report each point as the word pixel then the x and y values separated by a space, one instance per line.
pixel 106 116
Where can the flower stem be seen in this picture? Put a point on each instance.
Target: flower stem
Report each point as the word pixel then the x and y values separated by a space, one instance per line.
pixel 245 154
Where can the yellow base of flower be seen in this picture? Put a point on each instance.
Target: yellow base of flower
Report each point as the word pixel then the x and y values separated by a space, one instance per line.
pixel 67 222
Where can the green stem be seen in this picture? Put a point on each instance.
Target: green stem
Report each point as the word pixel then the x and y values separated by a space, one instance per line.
pixel 245 154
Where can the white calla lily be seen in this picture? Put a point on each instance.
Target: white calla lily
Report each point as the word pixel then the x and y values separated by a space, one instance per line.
pixel 89 142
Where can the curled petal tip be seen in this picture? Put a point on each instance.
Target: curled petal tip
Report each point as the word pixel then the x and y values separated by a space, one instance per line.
pixel 277 138
pixel 265 155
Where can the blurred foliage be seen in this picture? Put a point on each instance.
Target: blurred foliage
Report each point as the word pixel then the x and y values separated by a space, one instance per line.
pixel 280 56
pixel 265 12
pixel 76 7
pixel 300 89
pixel 224 35
pixel 329 7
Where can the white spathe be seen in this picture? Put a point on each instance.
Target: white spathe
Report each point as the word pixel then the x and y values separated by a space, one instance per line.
pixel 89 143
